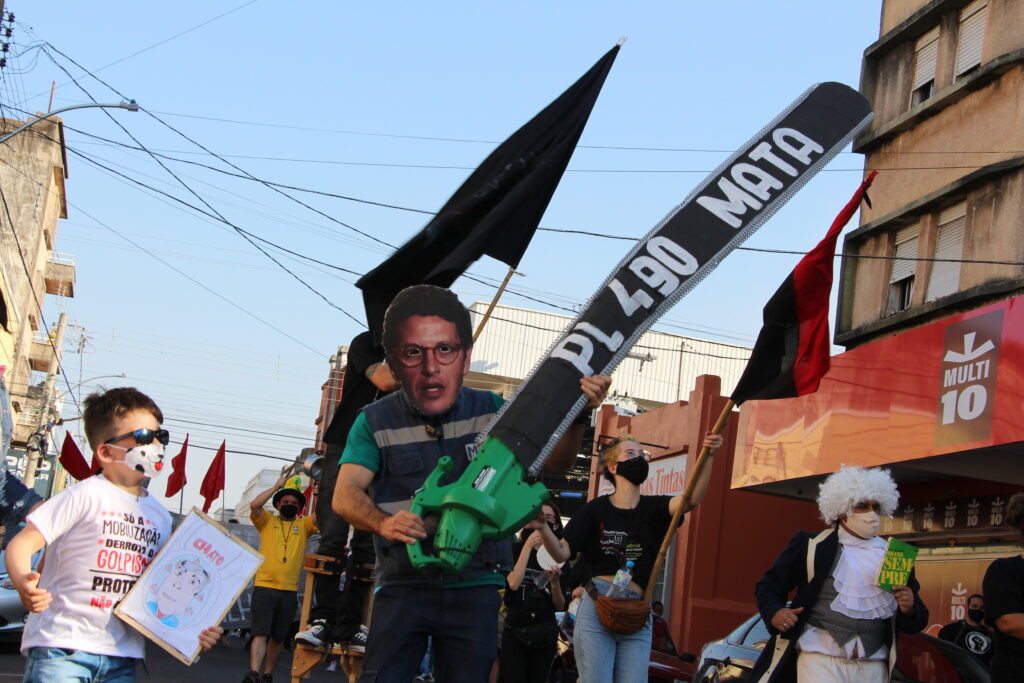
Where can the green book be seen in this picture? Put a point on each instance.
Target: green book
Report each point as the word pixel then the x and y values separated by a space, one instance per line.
pixel 896 565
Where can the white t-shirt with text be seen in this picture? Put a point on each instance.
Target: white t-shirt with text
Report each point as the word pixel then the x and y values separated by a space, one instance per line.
pixel 99 540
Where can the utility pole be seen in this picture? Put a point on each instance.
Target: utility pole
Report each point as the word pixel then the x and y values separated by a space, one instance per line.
pixel 33 460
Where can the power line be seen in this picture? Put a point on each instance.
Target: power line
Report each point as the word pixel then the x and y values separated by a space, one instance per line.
pixel 195 281
pixel 245 234
pixel 429 138
pixel 239 429
pixel 156 44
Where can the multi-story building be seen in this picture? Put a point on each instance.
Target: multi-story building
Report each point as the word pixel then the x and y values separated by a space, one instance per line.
pixel 32 173
pixel 930 300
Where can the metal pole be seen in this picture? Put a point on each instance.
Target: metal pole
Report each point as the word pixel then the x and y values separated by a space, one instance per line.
pixel 130 105
pixel 691 484
pixel 43 427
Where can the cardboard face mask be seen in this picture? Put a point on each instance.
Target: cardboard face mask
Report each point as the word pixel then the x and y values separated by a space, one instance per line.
pixel 148 459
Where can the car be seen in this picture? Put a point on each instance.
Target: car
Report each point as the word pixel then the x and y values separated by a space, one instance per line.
pixel 665 665
pixel 12 613
pixel 919 657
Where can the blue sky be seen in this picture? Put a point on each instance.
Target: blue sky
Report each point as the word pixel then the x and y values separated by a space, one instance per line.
pixel 393 103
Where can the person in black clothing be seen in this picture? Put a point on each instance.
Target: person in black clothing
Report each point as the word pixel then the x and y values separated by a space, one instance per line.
pixel 609 531
pixel 969 633
pixel 533 595
pixel 1004 604
pixel 336 616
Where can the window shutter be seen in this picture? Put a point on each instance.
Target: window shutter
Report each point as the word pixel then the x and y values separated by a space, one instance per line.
pixel 906 250
pixel 971 36
pixel 945 277
pixel 926 54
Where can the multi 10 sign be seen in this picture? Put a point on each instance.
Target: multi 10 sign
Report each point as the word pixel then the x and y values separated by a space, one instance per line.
pixel 968 379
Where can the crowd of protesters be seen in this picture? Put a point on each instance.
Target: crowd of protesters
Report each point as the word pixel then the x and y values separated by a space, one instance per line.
pixel 404 407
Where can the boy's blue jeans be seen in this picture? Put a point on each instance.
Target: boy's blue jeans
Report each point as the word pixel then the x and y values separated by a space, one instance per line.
pixel 46 664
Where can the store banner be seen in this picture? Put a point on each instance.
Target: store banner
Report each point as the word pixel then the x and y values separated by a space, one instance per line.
pixel 950 386
pixel 970 360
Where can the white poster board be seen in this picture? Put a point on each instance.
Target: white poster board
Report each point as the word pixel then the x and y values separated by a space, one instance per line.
pixel 190 585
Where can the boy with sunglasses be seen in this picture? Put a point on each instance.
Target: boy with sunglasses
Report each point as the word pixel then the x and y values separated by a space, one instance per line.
pixel 100 536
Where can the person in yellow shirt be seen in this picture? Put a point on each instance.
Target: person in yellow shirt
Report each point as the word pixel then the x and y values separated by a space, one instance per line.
pixel 283 543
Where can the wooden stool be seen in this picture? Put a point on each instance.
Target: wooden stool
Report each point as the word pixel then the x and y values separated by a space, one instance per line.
pixel 306 657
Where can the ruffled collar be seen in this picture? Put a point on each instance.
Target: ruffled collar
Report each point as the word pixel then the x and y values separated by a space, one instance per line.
pixel 859 561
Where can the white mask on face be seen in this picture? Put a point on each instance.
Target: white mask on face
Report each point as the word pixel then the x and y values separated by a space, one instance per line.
pixel 148 459
pixel 864 524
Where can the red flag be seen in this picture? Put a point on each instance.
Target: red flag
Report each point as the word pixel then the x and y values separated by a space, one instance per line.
pixel 72 460
pixel 791 354
pixel 213 482
pixel 176 481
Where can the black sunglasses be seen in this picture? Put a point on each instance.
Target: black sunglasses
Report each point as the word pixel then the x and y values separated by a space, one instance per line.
pixel 145 436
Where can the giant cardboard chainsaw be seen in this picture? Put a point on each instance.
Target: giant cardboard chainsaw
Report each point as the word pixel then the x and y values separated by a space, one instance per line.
pixel 496 494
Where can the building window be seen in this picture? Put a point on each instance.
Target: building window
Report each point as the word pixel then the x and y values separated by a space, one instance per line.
pixel 901 280
pixel 945 277
pixel 970 37
pixel 926 54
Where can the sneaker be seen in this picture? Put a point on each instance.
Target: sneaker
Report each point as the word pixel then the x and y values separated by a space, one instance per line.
pixel 251 677
pixel 315 635
pixel 358 641
pixel 267 678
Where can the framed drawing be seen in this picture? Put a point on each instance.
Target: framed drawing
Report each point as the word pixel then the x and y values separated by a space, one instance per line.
pixel 190 585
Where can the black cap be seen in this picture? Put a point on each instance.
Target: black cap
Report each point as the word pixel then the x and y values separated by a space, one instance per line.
pixel 289 492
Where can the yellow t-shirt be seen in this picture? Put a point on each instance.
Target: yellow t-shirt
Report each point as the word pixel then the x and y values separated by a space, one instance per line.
pixel 283 544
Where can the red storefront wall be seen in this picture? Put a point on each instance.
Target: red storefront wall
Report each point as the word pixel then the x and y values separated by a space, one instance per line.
pixel 944 388
pixel 939 405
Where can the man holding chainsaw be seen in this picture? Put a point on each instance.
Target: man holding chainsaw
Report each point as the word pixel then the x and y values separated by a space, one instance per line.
pixel 392 447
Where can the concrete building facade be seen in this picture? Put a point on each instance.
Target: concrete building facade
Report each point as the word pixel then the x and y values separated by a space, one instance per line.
pixel 930 301
pixel 33 169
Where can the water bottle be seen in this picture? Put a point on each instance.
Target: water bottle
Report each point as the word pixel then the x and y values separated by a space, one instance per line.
pixel 620 584
pixel 541 581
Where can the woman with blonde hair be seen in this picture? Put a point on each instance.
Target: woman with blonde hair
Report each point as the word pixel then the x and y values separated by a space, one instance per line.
pixel 609 531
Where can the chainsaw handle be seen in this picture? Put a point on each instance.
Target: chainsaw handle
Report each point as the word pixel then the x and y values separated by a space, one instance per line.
pixel 419 507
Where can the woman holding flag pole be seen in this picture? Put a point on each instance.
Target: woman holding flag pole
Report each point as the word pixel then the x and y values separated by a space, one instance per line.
pixel 608 532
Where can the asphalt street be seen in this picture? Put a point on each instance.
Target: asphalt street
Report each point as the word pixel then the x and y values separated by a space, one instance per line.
pixel 221 665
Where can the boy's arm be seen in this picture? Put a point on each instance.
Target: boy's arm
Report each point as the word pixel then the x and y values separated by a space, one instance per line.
pixel 18 558
pixel 209 637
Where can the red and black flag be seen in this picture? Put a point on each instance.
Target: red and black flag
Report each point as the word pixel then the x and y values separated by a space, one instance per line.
pixel 791 354
pixel 497 210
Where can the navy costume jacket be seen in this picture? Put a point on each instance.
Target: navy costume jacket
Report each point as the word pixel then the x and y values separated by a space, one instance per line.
pixel 804 565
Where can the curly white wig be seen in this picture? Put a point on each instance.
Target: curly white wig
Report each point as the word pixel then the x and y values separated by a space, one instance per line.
pixel 851 485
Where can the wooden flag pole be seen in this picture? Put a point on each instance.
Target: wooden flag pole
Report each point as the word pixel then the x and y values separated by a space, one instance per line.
pixel 691 484
pixel 494 302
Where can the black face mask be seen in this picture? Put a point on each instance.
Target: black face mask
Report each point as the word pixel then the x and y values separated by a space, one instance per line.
pixel 634 471
pixel 976 614
pixel 289 511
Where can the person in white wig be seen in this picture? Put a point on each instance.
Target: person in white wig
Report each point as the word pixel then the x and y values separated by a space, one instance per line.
pixel 839 626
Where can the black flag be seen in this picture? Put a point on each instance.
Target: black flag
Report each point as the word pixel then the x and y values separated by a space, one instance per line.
pixel 498 208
